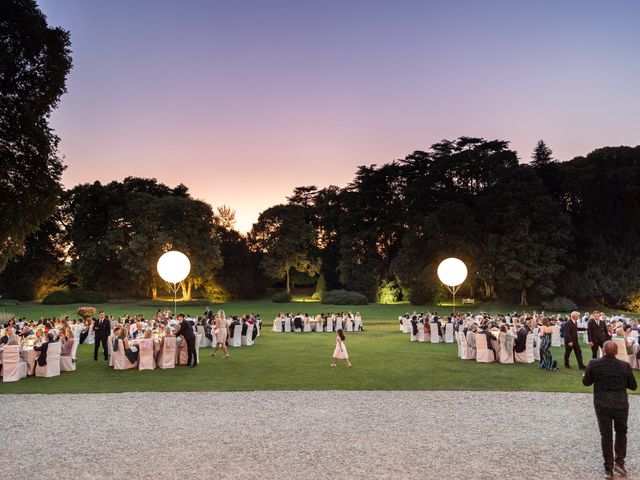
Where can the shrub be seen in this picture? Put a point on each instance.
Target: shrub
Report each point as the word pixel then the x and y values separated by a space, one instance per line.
pixel 169 303
pixel 78 295
pixel 321 288
pixel 281 297
pixel 389 291
pixel 86 312
pixel 344 297
pixel 560 304
pixel 633 301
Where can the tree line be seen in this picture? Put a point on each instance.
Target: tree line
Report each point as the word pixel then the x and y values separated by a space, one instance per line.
pixel 528 232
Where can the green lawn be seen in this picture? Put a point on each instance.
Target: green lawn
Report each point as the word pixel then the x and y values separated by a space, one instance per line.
pixel 382 357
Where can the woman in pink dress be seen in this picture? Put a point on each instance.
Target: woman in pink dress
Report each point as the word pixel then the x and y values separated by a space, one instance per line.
pixel 341 350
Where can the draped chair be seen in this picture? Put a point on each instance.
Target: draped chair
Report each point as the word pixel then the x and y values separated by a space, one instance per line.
pixel 167 354
pixel 13 368
pixel 236 339
pixel 483 354
pixel 466 352
pixel 120 360
pixel 247 340
pixel 146 360
pixel 68 364
pixel 204 341
pixel 505 350
pixel 527 356
pixel 287 325
pixel 277 325
pixel 435 337
pixel 448 332
pixel 329 324
pixel 52 368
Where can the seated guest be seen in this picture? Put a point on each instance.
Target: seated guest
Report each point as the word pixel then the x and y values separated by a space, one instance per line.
pixel 132 355
pixel 138 332
pixel 9 335
pixel 485 331
pixel 235 322
pixel 66 342
pixel 297 322
pixel 521 340
pixel 42 349
pixel 25 331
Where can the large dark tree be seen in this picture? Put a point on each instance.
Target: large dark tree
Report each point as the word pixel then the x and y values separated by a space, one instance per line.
pixel 34 62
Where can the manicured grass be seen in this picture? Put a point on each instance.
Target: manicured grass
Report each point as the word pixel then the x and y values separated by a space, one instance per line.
pixel 382 357
pixel 268 309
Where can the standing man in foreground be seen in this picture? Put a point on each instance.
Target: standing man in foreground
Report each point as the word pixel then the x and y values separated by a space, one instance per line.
pixel 186 330
pixel 571 341
pixel 101 332
pixel 611 378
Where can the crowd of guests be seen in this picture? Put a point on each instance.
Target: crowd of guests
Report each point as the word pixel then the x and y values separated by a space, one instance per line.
pixel 321 322
pixel 513 328
pixel 217 327
pixel 39 335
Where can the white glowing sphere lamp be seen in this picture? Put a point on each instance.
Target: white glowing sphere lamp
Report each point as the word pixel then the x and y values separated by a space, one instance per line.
pixel 173 266
pixel 452 272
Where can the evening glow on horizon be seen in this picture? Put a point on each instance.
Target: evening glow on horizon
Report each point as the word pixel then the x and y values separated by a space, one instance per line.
pixel 244 101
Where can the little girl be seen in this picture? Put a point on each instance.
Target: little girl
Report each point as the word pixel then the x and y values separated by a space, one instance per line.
pixel 340 350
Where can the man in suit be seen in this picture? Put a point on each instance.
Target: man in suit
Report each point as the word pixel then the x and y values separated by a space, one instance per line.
pixel 42 349
pixel 571 340
pixel 520 344
pixel 9 335
pixel 606 336
pixel 611 378
pixel 186 330
pixel 596 338
pixel 484 330
pixel 101 331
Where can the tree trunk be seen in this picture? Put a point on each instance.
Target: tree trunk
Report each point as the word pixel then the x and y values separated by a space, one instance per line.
pixel 523 297
pixel 288 285
pixel 186 290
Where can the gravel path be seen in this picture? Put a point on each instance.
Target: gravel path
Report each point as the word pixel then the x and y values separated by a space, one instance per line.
pixel 305 435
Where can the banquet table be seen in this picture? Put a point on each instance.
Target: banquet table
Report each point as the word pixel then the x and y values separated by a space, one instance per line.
pixel 29 355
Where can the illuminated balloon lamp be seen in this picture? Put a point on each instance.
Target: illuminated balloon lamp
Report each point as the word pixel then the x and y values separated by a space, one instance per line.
pixel 174 267
pixel 452 272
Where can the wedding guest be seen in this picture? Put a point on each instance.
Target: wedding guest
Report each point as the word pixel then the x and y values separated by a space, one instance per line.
pixel 186 330
pixel 132 355
pixel 42 349
pixel 611 378
pixel 101 332
pixel 221 334
pixel 546 360
pixel 521 339
pixel 484 330
pixel 66 342
pixel 9 334
pixel 571 341
pixel 341 350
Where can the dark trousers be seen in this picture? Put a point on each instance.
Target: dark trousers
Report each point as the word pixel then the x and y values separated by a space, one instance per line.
pixel 594 349
pixel 616 418
pixel 575 348
pixel 192 359
pixel 96 347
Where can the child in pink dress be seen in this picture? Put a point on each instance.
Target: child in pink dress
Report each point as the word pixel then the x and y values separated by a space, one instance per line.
pixel 341 350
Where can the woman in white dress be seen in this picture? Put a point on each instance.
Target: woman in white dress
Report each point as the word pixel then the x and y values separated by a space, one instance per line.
pixel 341 350
pixel 221 331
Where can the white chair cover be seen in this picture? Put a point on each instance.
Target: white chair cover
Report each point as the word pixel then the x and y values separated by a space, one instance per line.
pixel 505 355
pixel 622 350
pixel 414 338
pixel 528 355
pixel 466 353
pixel 406 325
pixel 277 325
pixel 287 325
pixel 319 326
pixel 236 340
pixel 483 354
pixel 357 324
pixel 471 350
pixel 120 360
pixel 556 339
pixel 448 332
pixel 198 340
pixel 246 340
pixel 204 341
pixel 146 360
pixel 329 324
pixel 110 349
pixel 68 364
pixel 349 325
pixel 306 324
pixel 435 337
pixel 167 354
pixel 52 368
pixel 13 368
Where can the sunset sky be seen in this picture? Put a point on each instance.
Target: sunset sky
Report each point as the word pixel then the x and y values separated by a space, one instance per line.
pixel 244 100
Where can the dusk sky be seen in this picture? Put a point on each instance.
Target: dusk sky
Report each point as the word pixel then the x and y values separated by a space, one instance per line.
pixel 243 101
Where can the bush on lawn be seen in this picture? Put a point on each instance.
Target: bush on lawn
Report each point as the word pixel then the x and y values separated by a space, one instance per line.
pixel 344 297
pixel 281 297
pixel 560 304
pixel 77 295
